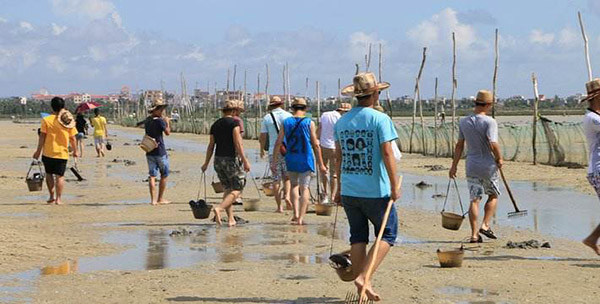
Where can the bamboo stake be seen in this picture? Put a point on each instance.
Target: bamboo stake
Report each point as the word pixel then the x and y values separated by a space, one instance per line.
pixel 227 82
pixel 244 93
pixel 368 59
pixel 284 87
pixel 585 43
pixel 536 98
pixel 357 69
pixel 339 92
pixel 422 122
pixel 412 129
pixel 257 107
pixel 234 76
pixel 497 53
pixel 453 100
pixel 387 92
pixel 435 118
pixel 318 103
pixel 306 89
pixel 267 88
pixel 287 77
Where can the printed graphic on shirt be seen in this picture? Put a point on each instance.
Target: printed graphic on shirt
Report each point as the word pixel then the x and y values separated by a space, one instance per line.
pixel 357 150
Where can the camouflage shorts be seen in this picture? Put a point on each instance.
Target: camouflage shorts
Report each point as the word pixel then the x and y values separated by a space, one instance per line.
pixel 480 186
pixel 230 172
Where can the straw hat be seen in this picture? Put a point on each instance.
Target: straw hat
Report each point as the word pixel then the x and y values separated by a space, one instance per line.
pixel 379 108
pixel 156 103
pixel 364 84
pixel 65 118
pixel 240 105
pixel 484 96
pixel 344 107
pixel 230 105
pixel 593 89
pixel 299 101
pixel 275 101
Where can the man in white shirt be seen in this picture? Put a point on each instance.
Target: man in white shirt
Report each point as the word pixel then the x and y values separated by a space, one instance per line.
pixel 591 126
pixel 271 124
pixel 325 132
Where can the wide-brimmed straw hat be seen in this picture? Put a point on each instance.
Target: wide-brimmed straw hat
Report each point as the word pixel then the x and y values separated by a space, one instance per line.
pixel 65 118
pixel 379 108
pixel 364 84
pixel 240 105
pixel 593 89
pixel 299 101
pixel 156 104
pixel 344 107
pixel 484 96
pixel 275 101
pixel 230 105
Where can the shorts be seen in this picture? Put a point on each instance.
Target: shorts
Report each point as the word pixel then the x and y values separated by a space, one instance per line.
pixel 80 135
pixel 281 172
pixel 360 211
pixel 594 179
pixel 55 166
pixel 298 178
pixel 329 160
pixel 480 186
pixel 158 163
pixel 230 172
pixel 99 140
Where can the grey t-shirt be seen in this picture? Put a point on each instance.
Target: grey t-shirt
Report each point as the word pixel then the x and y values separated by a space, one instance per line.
pixel 479 131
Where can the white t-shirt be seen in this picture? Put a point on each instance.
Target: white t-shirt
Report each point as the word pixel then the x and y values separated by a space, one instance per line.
pixel 591 126
pixel 267 126
pixel 328 121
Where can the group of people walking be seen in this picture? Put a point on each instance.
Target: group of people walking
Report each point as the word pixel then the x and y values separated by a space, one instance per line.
pixel 353 149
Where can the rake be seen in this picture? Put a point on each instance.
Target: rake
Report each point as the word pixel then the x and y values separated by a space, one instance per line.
pixel 352 298
pixel 517 211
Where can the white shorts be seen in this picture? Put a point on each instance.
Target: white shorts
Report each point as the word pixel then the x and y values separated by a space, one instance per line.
pixel 98 140
pixel 297 178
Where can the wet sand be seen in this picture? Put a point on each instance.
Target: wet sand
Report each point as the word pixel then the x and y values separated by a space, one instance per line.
pixel 264 261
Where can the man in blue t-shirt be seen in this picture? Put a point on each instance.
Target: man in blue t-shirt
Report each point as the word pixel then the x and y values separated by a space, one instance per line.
pixel 158 160
pixel 367 170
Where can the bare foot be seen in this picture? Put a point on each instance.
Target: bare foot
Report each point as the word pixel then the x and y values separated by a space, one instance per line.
pixel 164 202
pixel 153 203
pixel 592 244
pixel 371 295
pixel 301 222
pixel 58 202
pixel 231 223
pixel 217 212
pixel 50 200
pixel 294 219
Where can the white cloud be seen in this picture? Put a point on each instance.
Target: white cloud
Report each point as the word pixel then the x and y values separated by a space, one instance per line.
pixel 569 38
pixel 196 55
pixel 2 20
pixel 438 30
pixel 26 26
pixel 57 29
pixel 56 63
pixel 539 37
pixel 94 9
pixel 359 46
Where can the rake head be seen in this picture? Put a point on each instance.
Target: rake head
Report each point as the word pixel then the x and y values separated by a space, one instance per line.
pixel 353 298
pixel 517 213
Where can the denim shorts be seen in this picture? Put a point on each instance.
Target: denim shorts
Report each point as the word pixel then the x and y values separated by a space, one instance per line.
pixel 360 211
pixel 158 163
pixel 80 135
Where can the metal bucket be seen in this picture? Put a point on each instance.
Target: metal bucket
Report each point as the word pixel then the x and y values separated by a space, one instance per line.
pixel 324 210
pixel 451 258
pixel 251 204
pixel 346 274
pixel 35 183
pixel 452 221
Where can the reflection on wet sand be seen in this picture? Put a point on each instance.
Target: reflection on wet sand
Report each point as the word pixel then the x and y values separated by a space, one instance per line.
pixel 68 267
pixel 157 250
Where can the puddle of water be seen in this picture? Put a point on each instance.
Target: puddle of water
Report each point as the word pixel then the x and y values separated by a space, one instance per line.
pixel 559 212
pixel 457 290
pixel 22 214
pixel 43 196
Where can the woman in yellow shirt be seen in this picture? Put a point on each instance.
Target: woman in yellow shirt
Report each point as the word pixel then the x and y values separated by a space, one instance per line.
pixel 100 131
pixel 57 131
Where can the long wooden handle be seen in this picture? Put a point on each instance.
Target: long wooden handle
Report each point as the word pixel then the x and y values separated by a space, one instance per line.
pixel 512 198
pixel 363 290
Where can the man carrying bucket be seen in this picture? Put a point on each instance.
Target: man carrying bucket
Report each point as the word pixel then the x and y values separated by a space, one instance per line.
pixel 367 170
pixel 158 161
pixel 269 129
pixel 230 160
pixel 480 132
pixel 591 125
pixel 301 139
pixel 100 132
pixel 57 132
pixel 325 132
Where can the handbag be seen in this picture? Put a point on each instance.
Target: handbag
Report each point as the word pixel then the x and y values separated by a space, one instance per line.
pixel 283 148
pixel 148 144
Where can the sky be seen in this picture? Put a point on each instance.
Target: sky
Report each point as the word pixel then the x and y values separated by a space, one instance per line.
pixel 98 46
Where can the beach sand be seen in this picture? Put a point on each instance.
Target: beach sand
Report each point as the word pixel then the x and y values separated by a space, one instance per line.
pixel 264 261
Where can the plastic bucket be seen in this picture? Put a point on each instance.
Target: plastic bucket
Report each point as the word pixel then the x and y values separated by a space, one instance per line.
pixel 200 209
pixel 346 274
pixel 251 204
pixel 451 258
pixel 324 210
pixel 35 183
pixel 217 187
pixel 451 221
pixel 268 189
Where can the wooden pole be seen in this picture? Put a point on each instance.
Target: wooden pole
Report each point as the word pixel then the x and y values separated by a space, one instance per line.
pixel 318 103
pixel 497 55
pixel 267 88
pixel 243 97
pixel 536 99
pixel 368 59
pixel 339 92
pixel 287 77
pixel 306 89
pixel 257 107
pixel 234 76
pixel 453 100
pixel 587 50
pixel 284 87
pixel 387 92
pixel 412 129
pixel 422 122
pixel 435 118
pixel 227 82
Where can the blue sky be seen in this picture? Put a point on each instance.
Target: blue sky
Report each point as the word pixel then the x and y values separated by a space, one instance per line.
pixel 97 46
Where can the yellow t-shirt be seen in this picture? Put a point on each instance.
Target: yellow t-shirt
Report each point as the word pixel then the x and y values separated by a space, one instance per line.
pixel 57 138
pixel 99 124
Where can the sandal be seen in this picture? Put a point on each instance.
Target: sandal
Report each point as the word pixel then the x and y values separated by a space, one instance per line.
pixel 488 233
pixel 478 240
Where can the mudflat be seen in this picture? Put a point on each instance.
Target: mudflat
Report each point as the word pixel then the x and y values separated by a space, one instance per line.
pixel 107 244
